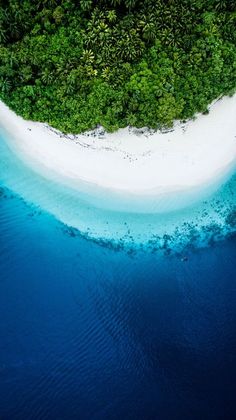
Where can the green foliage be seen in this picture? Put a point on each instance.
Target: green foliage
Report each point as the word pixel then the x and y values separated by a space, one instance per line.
pixel 78 64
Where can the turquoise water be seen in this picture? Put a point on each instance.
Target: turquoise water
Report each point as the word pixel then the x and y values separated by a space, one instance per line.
pixel 131 316
pixel 174 220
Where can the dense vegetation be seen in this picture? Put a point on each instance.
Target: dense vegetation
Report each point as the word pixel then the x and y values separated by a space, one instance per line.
pixel 77 64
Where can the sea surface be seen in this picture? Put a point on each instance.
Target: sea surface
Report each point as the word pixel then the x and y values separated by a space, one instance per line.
pixel 97 328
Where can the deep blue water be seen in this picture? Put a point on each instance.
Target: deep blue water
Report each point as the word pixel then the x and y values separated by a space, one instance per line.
pixel 89 332
pixel 142 326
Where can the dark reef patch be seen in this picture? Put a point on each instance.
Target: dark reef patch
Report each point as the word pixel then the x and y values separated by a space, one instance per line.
pixel 214 222
pixel 231 218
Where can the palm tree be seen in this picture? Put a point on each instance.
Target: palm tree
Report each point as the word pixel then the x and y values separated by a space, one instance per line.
pixel 106 73
pixel 87 57
pixel 86 5
pixel 130 46
pixel 47 76
pixel 149 32
pixel 115 2
pixel 130 3
pixel 5 85
pixel 111 16
pixel 91 71
pixel 104 32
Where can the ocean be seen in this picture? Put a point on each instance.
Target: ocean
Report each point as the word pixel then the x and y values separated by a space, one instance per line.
pixel 95 328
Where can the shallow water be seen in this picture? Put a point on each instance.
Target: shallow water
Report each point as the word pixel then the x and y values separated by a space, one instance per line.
pixel 105 330
pixel 172 221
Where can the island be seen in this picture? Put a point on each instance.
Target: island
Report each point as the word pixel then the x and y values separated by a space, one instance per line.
pixel 117 209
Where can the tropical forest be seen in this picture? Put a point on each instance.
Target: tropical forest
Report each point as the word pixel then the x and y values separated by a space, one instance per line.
pixel 77 65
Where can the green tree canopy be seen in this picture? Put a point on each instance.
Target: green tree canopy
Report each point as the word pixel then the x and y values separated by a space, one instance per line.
pixel 78 64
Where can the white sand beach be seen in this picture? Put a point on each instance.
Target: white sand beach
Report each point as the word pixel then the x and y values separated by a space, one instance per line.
pixel 130 160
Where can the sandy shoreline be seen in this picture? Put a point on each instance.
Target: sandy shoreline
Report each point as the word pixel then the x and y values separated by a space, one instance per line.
pixel 132 161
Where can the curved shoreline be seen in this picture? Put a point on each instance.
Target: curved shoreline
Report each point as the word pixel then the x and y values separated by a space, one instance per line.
pixel 132 162
pixel 51 171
